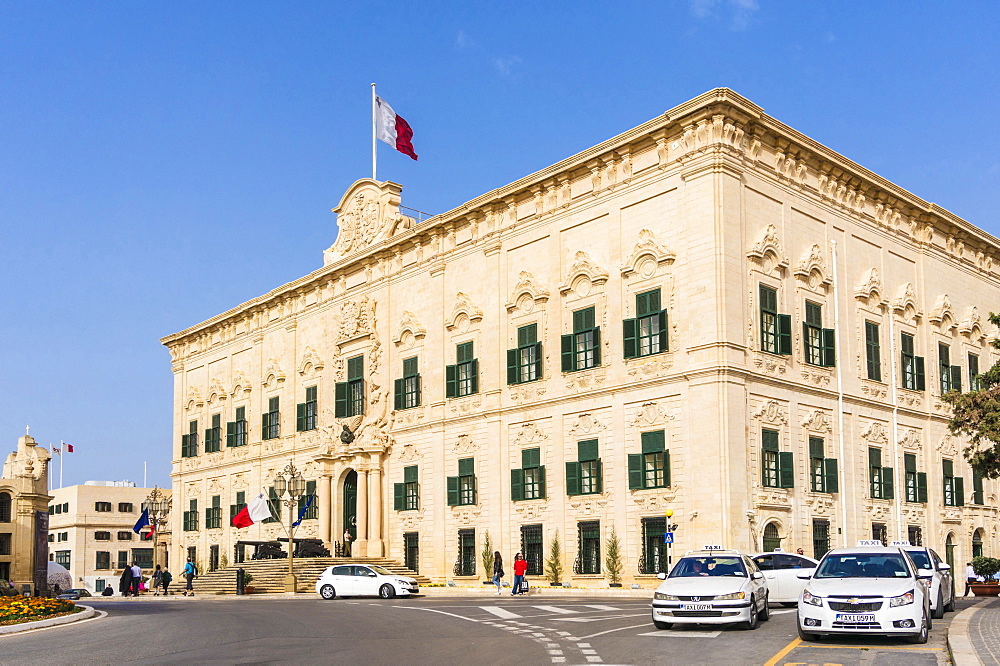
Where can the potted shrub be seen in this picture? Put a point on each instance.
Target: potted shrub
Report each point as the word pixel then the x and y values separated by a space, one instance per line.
pixel 247 579
pixel 486 557
pixel 613 559
pixel 553 564
pixel 987 568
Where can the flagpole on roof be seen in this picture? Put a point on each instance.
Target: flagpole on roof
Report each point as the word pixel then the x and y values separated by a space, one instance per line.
pixel 374 145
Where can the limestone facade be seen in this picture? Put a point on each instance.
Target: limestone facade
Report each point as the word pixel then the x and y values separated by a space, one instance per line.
pixel 23 517
pixel 90 532
pixel 785 309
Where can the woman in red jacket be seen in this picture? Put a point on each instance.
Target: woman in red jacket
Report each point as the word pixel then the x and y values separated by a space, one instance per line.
pixel 520 567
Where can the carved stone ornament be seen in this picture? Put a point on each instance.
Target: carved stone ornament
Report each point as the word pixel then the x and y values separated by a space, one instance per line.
pixel 820 504
pixel 910 439
pixel 877 509
pixel 774 499
pixel 367 214
pixel 812 268
pixel 647 256
pixel 527 393
pixel 772 412
pixel 272 372
pixel 240 481
pixel 311 362
pixel 410 330
pixel 527 294
pixel 410 453
pixel 972 324
pixel 586 424
pixel 531 510
pixel 905 302
pixel 466 515
pixel 411 519
pixel 947 446
pixel 650 414
pixel 656 500
pixel 869 290
pixel 875 432
pixel 464 314
pixel 240 384
pixel 194 399
pixel 357 319
pixel 465 444
pixel 719 131
pixel 529 434
pixel 591 506
pixel 215 390
pixel 942 315
pixel 766 252
pixel 583 274
pixel 817 421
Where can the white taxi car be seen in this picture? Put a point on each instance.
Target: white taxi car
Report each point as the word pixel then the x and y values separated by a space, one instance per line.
pixel 935 574
pixel 711 587
pixel 865 590
pixel 356 580
pixel 781 573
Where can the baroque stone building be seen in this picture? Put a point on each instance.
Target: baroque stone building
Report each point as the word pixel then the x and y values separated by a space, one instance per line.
pixel 710 313
pixel 23 517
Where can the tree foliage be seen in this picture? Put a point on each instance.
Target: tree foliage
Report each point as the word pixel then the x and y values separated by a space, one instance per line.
pixel 976 415
pixel 553 564
pixel 613 558
pixel 486 555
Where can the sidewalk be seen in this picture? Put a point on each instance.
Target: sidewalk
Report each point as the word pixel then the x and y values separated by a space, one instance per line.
pixel 974 634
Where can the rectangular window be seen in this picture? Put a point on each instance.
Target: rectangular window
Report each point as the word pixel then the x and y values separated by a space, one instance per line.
pixel 777 470
pixel 103 560
pixel 101 535
pixel 647 333
pixel 977 487
pixel 102 507
pixel 524 362
pixel 954 486
pixel 122 559
pixel 306 412
pixel 819 341
pixel 126 507
pixel 63 558
pixel 462 488
pixel 213 557
pixel 821 538
pixel 974 381
pixel 407 389
pixel 913 366
pixel 125 535
pixel 407 494
pixel 5 543
pixel 213 513
pixel 528 482
pixel 275 504
pixel 306 509
pixel 653 560
pixel 583 476
pixel 531 546
pixel 588 559
pixel 189 442
pixel 236 431
pixel 143 557
pixel 241 502
pixel 880 533
pixel 775 329
pixel 916 482
pixel 915 535
pixel 213 435
pixel 822 470
pixel 462 378
pixel 872 351
pixel 191 517
pixel 879 477
pixel 466 564
pixel 581 349
pixel 411 551
pixel 651 467
pixel 270 421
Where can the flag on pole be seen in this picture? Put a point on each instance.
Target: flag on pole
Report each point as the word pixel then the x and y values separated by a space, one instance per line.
pixel 69 448
pixel 302 513
pixel 149 535
pixel 142 522
pixel 392 129
pixel 254 512
pixel 56 450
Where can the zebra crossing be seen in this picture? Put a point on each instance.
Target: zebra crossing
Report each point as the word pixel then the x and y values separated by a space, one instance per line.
pixel 555 613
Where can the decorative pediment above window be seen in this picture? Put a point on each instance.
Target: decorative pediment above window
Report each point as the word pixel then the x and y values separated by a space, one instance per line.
pixel 464 315
pixel 583 275
pixel 651 414
pixel 215 391
pixel 942 316
pixel 272 373
pixel 527 294
pixel 771 412
pixel 409 329
pixel 529 434
pixel 869 291
pixel 357 319
pixel 647 256
pixel 972 324
pixel 310 363
pixel 767 253
pixel 367 214
pixel 240 384
pixel 586 424
pixel 817 421
pixel 194 398
pixel 910 439
pixel 875 433
pixel 905 304
pixel 812 268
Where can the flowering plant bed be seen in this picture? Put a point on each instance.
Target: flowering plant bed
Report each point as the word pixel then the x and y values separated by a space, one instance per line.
pixel 15 610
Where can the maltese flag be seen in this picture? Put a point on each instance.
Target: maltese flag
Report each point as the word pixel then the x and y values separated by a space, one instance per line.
pixel 254 512
pixel 392 128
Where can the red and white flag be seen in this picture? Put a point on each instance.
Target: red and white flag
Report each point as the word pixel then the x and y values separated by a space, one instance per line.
pixel 392 129
pixel 254 512
pixel 69 448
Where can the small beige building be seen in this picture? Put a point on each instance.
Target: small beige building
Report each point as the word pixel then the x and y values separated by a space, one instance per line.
pixel 710 313
pixel 90 532
pixel 23 517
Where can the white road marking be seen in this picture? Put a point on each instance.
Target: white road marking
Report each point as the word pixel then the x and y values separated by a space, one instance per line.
pixel 597 619
pixel 432 610
pixel 556 609
pixel 602 608
pixel 682 634
pixel 588 651
pixel 583 645
pixel 594 660
pixel 601 633
pixel 558 660
pixel 500 612
pixel 782 612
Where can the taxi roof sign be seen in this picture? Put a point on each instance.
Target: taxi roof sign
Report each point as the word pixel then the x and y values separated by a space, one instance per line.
pixel 712 547
pixel 865 543
pixel 899 543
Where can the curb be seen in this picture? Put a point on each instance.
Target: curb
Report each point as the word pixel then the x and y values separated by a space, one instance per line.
pixel 962 652
pixel 645 594
pixel 86 613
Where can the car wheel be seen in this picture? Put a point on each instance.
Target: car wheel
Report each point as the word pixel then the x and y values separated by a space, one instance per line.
pixel 754 620
pixel 950 608
pixel 327 592
pixel 765 614
pixel 921 636
pixel 938 612
pixel 662 625
pixel 789 604
pixel 806 636
pixel 386 591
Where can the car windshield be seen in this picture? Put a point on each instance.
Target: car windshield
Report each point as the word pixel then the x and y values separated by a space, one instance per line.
pixel 382 570
pixel 690 567
pixel 863 565
pixel 920 558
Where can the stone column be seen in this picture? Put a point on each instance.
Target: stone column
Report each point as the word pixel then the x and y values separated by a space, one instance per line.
pixel 360 546
pixel 375 545
pixel 325 509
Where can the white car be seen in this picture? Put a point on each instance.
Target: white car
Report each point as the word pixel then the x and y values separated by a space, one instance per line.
pixel 781 575
pixel 937 575
pixel 711 587
pixel 358 580
pixel 865 590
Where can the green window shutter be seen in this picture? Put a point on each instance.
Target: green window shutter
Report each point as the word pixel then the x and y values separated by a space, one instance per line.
pixel 300 417
pixel 909 462
pixel 829 348
pixel 815 447
pixel 587 450
pixel 568 360
pixel 956 378
pixel 977 487
pixel 475 375
pixel 531 458
pixel 398 496
pixel 572 477
pixel 784 334
pixel 666 468
pixel 410 366
pixel 452 491
pixel 475 491
pixel 664 338
pixel 641 304
pixel 451 381
pixel 830 475
pixel 410 474
pixel 464 352
pixel 948 467
pixel 959 491
pixel 466 466
pixel 516 484
pixel 769 440
pixel 922 487
pixel 340 402
pixel 541 481
pixel 635 475
pixel 513 375
pixel 597 346
pixel 653 442
pixel 786 470
pixel 921 380
pixel 538 360
pixel 805 342
pixel 208 440
pixel 888 485
pixel 419 389
pixel 397 394
pixel 874 457
pixel 230 433
pixel 630 335
pixel 599 475
pixel 185 446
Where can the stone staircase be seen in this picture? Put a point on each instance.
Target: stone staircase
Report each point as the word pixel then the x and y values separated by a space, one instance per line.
pixel 269 575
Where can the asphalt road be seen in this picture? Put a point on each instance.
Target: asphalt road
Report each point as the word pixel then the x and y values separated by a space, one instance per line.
pixel 487 629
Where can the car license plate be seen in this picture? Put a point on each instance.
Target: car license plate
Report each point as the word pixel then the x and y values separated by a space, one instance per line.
pixel 696 607
pixel 844 617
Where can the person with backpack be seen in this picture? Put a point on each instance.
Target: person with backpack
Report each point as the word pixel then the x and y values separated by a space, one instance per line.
pixel 190 572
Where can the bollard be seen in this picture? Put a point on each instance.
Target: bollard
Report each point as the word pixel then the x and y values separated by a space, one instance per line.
pixel 239 580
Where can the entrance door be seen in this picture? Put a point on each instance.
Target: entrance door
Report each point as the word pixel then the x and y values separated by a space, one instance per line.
pixel 351 505
pixel 411 550
pixel 949 556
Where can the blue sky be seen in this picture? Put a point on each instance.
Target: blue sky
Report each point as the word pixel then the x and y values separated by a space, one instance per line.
pixel 163 162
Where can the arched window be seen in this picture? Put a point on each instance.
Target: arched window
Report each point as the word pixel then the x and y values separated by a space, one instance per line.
pixel 977 543
pixel 4 507
pixel 771 538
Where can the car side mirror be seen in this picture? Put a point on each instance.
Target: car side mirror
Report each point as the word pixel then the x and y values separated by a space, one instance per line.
pixel 925 573
pixel 757 575
pixel 944 567
pixel 661 576
pixel 805 574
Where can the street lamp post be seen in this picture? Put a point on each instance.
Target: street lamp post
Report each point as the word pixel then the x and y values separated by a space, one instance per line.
pixel 290 482
pixel 671 527
pixel 158 506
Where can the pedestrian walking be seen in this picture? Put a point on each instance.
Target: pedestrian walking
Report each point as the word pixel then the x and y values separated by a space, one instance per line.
pixel 970 578
pixel 520 568
pixel 497 570
pixel 347 542
pixel 165 580
pixel 157 580
pixel 190 571
pixel 136 579
pixel 125 582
